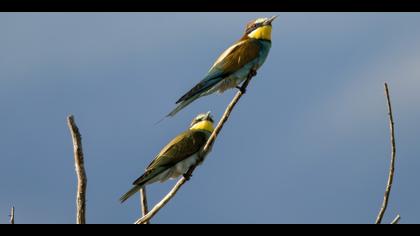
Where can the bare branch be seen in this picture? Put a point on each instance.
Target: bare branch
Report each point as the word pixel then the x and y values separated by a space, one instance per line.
pixel 203 153
pixel 396 220
pixel 162 203
pixel 144 205
pixel 12 216
pixel 80 170
pixel 393 157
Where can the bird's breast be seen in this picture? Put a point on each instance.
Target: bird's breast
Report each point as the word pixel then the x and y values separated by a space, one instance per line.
pixel 183 166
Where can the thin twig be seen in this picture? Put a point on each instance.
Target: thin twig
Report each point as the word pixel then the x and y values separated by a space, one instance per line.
pixel 162 203
pixel 144 205
pixel 203 153
pixel 80 170
pixel 396 220
pixel 393 157
pixel 12 216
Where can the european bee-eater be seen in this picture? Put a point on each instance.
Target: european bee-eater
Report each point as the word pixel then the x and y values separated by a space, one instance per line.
pixel 233 65
pixel 177 156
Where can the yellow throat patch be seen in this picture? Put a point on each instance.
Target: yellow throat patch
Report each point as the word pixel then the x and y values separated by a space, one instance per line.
pixel 203 125
pixel 263 32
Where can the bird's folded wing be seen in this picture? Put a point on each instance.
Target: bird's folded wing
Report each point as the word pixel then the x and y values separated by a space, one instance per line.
pixel 231 60
pixel 236 57
pixel 180 148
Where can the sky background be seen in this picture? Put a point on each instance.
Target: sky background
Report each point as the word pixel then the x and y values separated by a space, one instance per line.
pixel 308 143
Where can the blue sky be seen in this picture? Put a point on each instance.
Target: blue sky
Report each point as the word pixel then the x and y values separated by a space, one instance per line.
pixel 308 143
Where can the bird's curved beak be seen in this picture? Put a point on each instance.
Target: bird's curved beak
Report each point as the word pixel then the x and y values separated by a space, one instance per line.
pixel 268 22
pixel 208 116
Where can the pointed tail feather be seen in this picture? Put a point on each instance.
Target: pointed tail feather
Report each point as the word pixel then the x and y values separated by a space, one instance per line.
pixel 140 182
pixel 159 121
pixel 178 108
pixel 130 193
pixel 201 89
pixel 181 105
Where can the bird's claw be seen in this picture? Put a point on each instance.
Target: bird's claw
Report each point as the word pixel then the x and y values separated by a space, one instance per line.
pixel 187 176
pixel 253 73
pixel 243 90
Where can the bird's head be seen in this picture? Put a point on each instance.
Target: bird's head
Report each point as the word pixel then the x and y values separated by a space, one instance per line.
pixel 260 28
pixel 203 121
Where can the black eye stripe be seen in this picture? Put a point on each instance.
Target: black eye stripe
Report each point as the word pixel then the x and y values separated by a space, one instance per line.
pixel 253 27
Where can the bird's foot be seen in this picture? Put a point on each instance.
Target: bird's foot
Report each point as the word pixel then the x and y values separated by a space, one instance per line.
pixel 243 90
pixel 187 176
pixel 253 73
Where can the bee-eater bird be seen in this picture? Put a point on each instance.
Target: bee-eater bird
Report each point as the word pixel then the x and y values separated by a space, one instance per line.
pixel 177 156
pixel 233 65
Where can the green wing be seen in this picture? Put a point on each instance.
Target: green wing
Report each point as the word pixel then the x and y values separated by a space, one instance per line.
pixel 179 149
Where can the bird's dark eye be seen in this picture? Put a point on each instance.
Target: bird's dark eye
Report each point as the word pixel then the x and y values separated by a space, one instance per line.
pixel 252 28
pixel 255 26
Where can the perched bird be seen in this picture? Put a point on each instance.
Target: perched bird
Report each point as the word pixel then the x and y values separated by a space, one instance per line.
pixel 177 156
pixel 234 65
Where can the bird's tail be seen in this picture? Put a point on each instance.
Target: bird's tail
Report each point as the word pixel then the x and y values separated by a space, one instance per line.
pixel 182 104
pixel 141 182
pixel 130 193
pixel 199 90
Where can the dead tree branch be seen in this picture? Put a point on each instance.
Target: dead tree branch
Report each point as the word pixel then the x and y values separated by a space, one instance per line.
pixel 144 205
pixel 393 157
pixel 12 216
pixel 162 203
pixel 396 220
pixel 80 170
pixel 204 152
